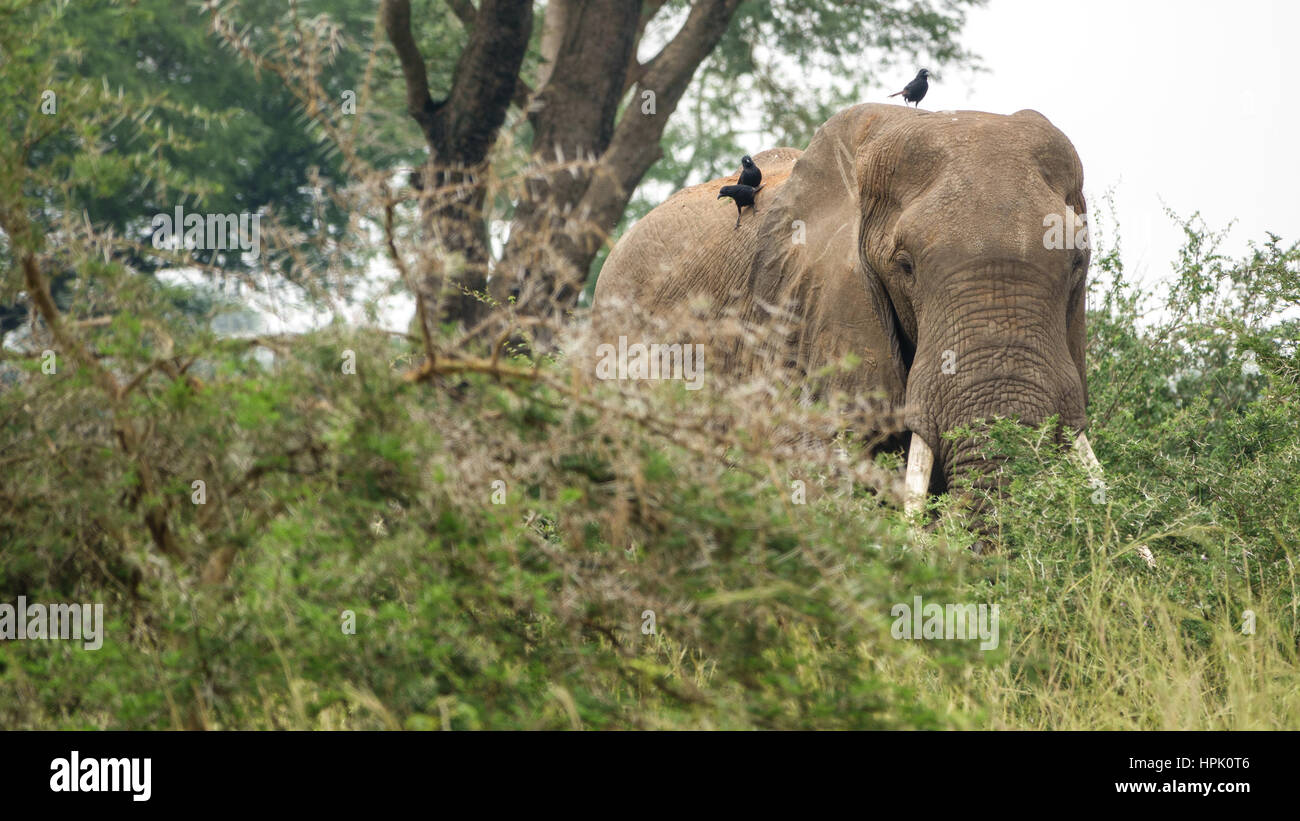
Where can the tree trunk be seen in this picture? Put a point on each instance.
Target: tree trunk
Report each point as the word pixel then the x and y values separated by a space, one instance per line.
pixel 460 131
pixel 586 52
pixel 585 165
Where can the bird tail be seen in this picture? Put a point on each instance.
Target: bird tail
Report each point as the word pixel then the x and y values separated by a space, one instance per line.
pixel 760 187
pixel 895 94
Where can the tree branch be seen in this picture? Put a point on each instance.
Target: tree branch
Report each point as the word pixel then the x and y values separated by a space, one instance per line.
pixel 396 17
pixel 635 146
pixel 129 437
pixel 635 69
pixel 485 80
pixel 465 12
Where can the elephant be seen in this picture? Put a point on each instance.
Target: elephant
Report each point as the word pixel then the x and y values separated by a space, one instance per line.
pixel 912 239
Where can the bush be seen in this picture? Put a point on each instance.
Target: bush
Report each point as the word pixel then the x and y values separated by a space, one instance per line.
pixel 329 493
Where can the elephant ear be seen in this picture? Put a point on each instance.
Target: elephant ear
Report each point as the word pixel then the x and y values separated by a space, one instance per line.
pixel 1076 330
pixel 809 260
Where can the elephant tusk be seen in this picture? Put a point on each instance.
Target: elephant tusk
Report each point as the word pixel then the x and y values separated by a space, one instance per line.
pixel 1093 466
pixel 920 462
pixel 1084 449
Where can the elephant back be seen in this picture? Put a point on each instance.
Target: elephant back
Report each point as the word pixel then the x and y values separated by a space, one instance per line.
pixel 687 248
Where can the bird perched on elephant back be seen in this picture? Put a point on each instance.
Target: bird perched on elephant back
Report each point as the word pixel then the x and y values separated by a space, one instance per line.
pixel 742 195
pixel 914 241
pixel 746 189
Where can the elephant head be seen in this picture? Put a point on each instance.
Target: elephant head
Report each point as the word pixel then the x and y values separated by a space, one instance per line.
pixel 923 243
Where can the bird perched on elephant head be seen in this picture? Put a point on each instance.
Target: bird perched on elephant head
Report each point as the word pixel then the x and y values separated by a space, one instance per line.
pixel 749 173
pixel 915 91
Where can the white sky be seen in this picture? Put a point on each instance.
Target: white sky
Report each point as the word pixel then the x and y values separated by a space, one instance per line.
pixel 1187 104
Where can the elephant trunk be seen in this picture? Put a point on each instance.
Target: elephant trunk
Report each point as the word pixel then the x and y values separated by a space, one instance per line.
pixel 981 473
pixel 996 349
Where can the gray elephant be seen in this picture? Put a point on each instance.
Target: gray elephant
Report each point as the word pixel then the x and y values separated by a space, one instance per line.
pixel 942 248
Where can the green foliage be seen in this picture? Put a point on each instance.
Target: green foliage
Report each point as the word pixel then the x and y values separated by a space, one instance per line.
pixel 330 491
pixel 236 131
pixel 354 492
pixel 152 110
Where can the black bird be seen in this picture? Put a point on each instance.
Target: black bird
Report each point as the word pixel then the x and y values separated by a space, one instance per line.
pixel 914 91
pixel 749 173
pixel 743 195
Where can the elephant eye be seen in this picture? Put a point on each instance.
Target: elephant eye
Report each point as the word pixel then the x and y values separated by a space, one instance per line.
pixel 904 261
pixel 1078 265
